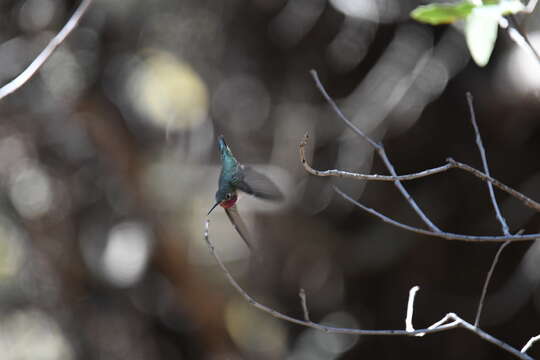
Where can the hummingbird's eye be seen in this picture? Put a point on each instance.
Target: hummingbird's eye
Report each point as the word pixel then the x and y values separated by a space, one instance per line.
pixel 228 196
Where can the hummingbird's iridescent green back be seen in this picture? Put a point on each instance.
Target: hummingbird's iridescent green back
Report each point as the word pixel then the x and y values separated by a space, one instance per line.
pixel 235 176
pixel 230 168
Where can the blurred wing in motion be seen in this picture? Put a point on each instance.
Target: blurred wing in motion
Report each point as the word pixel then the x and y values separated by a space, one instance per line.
pixel 258 185
pixel 239 225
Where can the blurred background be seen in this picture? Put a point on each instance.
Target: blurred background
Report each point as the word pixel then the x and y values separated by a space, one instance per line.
pixel 108 166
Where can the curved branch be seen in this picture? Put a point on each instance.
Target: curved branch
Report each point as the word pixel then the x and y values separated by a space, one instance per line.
pixel 56 41
pixel 449 321
pixel 443 235
pixel 380 151
pixel 530 343
pixel 452 164
pixel 357 176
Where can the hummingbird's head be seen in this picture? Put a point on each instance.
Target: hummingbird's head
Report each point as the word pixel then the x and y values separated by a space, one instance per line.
pixel 226 198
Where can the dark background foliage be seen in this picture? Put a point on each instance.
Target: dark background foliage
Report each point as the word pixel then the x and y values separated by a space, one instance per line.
pixel 108 166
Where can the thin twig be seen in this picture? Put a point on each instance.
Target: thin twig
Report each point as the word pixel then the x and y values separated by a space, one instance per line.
pixel 338 111
pixel 303 300
pixel 524 199
pixel 486 283
pixel 498 213
pixel 435 328
pixel 452 164
pixel 483 156
pixel 444 320
pixel 484 335
pixel 357 176
pixel 56 41
pixel 530 343
pixel 443 235
pixel 517 35
pixel 380 151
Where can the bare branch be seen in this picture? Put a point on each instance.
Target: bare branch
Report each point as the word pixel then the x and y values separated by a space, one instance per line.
pixel 439 326
pixel 530 343
pixel 338 111
pixel 524 199
pixel 498 213
pixel 452 164
pixel 444 320
pixel 56 41
pixel 443 235
pixel 484 335
pixel 357 176
pixel 520 39
pixel 380 151
pixel 279 315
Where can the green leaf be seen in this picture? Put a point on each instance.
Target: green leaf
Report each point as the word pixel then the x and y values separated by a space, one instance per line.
pixel 436 14
pixel 491 2
pixel 481 28
pixel 481 32
pixel 481 25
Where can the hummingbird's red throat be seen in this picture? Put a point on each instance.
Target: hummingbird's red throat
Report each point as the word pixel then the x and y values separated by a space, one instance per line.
pixel 229 203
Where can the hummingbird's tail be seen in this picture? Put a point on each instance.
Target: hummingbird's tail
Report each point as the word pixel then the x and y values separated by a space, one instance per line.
pixel 222 145
pixel 239 225
pixel 225 152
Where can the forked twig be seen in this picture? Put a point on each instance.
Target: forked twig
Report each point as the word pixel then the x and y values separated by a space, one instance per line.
pixel 452 164
pixel 434 231
pixel 357 176
pixel 56 41
pixel 449 321
pixel 485 176
pixel 524 199
pixel 380 151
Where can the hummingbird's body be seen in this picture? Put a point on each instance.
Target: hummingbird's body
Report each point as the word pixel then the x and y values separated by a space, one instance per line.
pixel 229 177
pixel 236 177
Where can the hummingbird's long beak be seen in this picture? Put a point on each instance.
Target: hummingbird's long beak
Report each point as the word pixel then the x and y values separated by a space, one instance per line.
pixel 213 207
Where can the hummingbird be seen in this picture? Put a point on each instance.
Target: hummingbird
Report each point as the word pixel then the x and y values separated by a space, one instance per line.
pixel 235 177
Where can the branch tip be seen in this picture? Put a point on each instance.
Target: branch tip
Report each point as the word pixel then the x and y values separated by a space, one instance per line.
pixel 303 301
pixel 410 310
